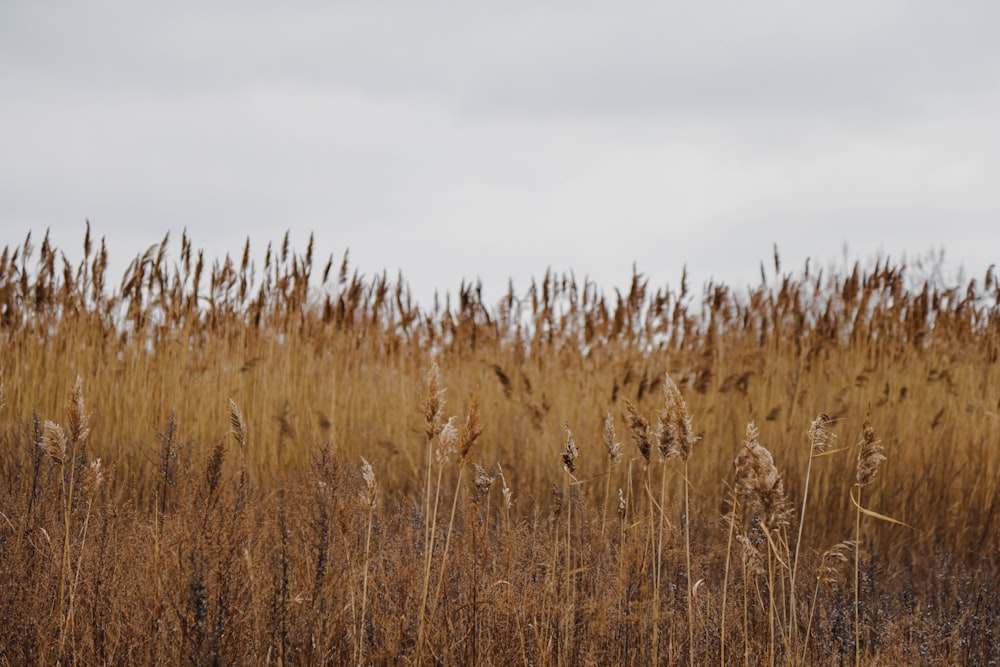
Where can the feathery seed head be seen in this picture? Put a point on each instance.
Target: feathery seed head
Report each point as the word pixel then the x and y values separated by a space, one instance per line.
pixel 54 441
pixel 821 439
pixel 664 437
pixel 610 444
pixel 370 492
pixel 237 423
pixel 508 495
pixel 470 432
pixel 639 427
pixel 832 563
pixel 746 470
pixel 447 441
pixel 557 501
pixel 433 402
pixel 79 420
pixel 758 483
pixel 483 482
pixel 95 476
pixel 674 431
pixel 870 454
pixel 570 452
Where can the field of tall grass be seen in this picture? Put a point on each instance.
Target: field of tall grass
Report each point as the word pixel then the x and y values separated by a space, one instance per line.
pixel 286 462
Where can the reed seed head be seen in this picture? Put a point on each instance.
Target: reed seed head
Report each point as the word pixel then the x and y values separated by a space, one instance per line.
pixel 870 454
pixel 483 482
pixel 95 475
pixel 610 441
pixel 238 424
pixel 570 452
pixel 54 442
pixel 470 432
pixel 433 402
pixel 833 562
pixel 369 494
pixel 820 437
pixel 758 483
pixel 79 420
pixel 508 495
pixel 639 426
pixel 447 441
pixel 675 439
pixel 557 501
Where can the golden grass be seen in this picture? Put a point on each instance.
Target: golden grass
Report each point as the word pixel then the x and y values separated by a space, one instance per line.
pixel 189 464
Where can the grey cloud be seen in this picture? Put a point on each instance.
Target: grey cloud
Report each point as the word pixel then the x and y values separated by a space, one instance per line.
pixel 453 140
pixel 526 57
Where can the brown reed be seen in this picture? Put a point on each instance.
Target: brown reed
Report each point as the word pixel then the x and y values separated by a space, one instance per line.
pixel 180 551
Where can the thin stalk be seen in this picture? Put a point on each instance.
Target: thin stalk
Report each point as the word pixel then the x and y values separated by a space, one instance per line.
pixel 429 547
pixel 364 588
pixel 687 554
pixel 746 615
pixel 812 610
pixel 66 615
pixel 781 544
pixel 622 519
pixel 793 625
pixel 427 492
pixel 770 605
pixel 654 617
pixel 725 583
pixel 447 540
pixel 607 492
pixel 857 588
pixel 570 598
pixel 657 566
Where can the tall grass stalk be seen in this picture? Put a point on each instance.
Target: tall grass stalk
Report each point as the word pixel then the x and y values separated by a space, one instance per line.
pixel 820 441
pixel 870 458
pixel 569 456
pixel 470 433
pixel 613 448
pixel 369 497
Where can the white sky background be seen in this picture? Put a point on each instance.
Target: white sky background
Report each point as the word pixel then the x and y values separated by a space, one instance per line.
pixel 461 140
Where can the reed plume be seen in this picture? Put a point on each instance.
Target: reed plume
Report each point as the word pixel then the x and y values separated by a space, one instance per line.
pixel 639 427
pixel 613 448
pixel 870 456
pixel 570 452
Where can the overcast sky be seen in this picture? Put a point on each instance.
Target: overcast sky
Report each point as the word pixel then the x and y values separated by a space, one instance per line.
pixel 461 140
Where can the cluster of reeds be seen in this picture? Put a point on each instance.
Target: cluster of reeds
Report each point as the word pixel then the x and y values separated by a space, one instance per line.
pixel 316 495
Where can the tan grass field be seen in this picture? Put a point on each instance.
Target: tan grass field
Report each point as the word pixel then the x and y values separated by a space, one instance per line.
pixel 226 461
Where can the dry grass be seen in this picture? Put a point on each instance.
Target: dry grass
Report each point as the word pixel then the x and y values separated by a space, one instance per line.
pixel 189 465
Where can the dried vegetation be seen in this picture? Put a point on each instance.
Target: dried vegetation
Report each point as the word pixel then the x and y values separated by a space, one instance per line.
pixel 281 464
